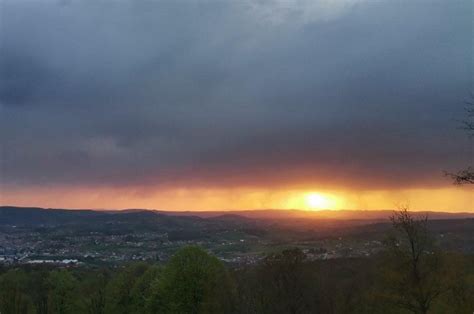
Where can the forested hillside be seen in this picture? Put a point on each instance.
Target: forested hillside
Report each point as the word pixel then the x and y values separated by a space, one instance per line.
pixel 410 275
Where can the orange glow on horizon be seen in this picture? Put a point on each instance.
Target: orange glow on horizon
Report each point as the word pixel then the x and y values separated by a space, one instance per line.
pixel 450 199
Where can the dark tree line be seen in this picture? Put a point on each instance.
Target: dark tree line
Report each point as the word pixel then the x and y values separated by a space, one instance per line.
pixel 412 275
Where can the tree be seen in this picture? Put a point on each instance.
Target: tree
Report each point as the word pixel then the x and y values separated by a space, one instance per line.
pixel 460 297
pixel 466 176
pixel 414 273
pixel 93 292
pixel 13 296
pixel 62 293
pixel 287 281
pixel 38 287
pixel 283 282
pixel 192 282
pixel 142 289
pixel 119 289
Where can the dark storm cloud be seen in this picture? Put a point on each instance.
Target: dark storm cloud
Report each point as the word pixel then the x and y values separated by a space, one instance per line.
pixel 131 92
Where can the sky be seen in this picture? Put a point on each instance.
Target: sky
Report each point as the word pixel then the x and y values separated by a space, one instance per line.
pixel 207 105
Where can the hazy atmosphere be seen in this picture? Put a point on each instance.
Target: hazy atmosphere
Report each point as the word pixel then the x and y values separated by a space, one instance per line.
pixel 235 105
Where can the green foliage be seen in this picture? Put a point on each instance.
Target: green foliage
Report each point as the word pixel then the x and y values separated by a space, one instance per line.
pixel 193 282
pixel 286 282
pixel 142 290
pixel 93 292
pixel 119 299
pixel 62 293
pixel 38 288
pixel 14 297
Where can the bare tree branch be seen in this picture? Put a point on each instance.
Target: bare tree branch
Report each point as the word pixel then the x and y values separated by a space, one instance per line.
pixel 468 123
pixel 466 176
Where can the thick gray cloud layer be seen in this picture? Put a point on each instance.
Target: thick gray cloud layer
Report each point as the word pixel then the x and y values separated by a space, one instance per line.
pixel 356 93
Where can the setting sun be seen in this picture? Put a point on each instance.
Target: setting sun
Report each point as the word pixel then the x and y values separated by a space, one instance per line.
pixel 319 201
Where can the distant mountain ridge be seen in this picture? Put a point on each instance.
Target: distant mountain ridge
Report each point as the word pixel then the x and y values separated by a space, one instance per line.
pixel 37 215
pixel 10 215
pixel 321 214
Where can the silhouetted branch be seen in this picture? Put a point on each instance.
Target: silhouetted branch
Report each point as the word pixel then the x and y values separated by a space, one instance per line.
pixel 462 177
pixel 466 176
pixel 468 123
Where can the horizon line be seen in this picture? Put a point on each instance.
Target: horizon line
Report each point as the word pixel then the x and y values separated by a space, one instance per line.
pixel 242 210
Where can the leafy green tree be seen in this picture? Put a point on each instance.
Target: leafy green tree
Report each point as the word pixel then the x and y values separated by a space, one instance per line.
pixel 93 292
pixel 38 287
pixel 141 291
pixel 13 292
pixel 119 298
pixel 62 297
pixel 193 282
